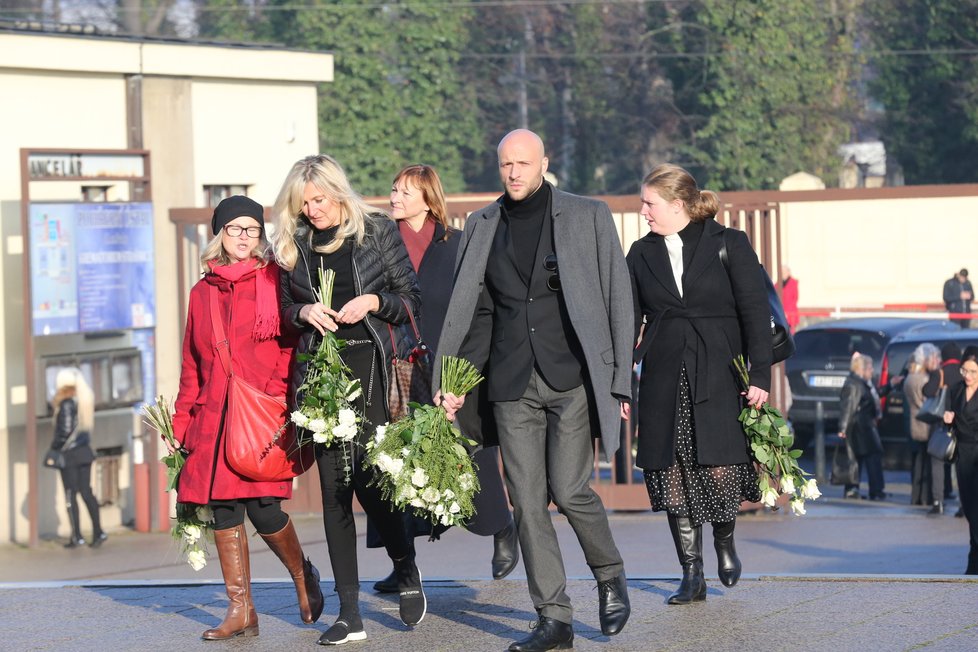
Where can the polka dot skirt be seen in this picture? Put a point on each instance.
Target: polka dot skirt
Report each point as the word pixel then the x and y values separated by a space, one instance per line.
pixel 700 493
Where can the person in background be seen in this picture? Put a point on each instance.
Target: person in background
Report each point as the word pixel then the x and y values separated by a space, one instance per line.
pixel 698 316
pixel 962 415
pixel 242 279
pixel 418 206
pixel 74 409
pixel 947 375
pixel 859 412
pixel 924 360
pixel 789 297
pixel 324 224
pixel 958 295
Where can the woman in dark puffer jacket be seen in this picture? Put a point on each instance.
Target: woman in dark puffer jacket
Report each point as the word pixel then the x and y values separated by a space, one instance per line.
pixel 323 223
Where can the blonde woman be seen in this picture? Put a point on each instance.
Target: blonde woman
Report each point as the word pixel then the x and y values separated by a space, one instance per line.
pixel 241 279
pixel 323 223
pixel 859 412
pixel 925 359
pixel 74 416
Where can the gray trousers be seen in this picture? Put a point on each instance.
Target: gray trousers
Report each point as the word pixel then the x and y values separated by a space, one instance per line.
pixel 547 430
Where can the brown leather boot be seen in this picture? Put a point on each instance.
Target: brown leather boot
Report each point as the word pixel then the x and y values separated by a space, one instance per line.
pixel 285 545
pixel 241 619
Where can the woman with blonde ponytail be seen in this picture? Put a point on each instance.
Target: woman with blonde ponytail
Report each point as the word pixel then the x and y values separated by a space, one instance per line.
pixel 695 315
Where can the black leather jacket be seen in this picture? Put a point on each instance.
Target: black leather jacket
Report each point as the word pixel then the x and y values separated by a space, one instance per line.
pixel 380 266
pixel 859 410
pixel 78 450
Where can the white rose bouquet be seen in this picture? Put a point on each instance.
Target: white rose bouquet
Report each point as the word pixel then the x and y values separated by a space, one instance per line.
pixel 328 391
pixel 192 528
pixel 771 444
pixel 420 458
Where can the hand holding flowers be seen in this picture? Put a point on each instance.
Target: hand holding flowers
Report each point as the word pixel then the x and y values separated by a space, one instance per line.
pixel 771 442
pixel 193 522
pixel 421 461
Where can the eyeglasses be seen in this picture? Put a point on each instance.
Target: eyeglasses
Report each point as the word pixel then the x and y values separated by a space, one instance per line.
pixel 234 230
pixel 969 372
pixel 550 264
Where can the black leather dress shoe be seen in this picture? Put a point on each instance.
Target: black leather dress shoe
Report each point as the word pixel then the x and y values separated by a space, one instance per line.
pixel 613 605
pixel 505 551
pixel 548 634
pixel 388 584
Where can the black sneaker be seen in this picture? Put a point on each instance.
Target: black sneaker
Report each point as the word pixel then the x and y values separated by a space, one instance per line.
pixel 99 540
pixel 414 605
pixel 340 633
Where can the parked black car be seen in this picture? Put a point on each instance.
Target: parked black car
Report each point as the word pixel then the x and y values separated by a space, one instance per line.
pixel 820 364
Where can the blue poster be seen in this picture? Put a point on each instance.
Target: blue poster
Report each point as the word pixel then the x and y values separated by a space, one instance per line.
pixel 92 267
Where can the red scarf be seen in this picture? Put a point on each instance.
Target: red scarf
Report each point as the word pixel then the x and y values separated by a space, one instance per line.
pixel 416 242
pixel 266 289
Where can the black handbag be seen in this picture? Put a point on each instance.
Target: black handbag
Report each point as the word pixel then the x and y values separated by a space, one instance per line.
pixel 942 444
pixel 782 344
pixel 932 409
pixel 54 460
pixel 845 468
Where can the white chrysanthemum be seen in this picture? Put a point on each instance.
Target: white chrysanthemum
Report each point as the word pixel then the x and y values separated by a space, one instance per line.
pixel 299 419
pixel 787 485
pixel 345 431
pixel 419 478
pixel 320 437
pixel 347 417
pixel 809 490
pixel 454 508
pixel 191 533
pixel 205 514
pixel 196 559
pixel 317 425
pixel 431 495
pixel 798 507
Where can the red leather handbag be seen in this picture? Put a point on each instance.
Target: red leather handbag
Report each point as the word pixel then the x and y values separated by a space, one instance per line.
pixel 260 442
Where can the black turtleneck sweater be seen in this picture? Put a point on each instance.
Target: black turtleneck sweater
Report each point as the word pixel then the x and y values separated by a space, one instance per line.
pixel 344 288
pixel 525 221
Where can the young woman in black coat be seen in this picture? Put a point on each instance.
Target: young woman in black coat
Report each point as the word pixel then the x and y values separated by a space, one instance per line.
pixel 418 206
pixel 962 415
pixel 698 316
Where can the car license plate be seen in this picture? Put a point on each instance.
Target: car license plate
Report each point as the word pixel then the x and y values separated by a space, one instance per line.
pixel 832 382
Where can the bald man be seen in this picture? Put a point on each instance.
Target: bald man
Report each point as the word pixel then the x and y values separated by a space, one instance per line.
pixel 542 304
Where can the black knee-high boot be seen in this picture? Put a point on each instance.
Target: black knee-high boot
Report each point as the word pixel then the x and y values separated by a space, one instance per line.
pixel 728 563
pixel 689 548
pixel 74 518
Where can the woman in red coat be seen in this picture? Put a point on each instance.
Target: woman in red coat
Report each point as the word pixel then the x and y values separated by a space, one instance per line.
pixel 243 281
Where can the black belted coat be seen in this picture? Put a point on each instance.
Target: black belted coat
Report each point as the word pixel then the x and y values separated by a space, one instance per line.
pixel 719 316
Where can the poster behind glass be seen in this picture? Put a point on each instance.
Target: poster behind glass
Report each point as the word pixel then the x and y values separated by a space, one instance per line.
pixel 91 267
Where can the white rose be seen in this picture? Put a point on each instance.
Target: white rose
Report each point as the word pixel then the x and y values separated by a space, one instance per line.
pixel 205 514
pixel 769 497
pixel 191 533
pixel 449 494
pixel 454 508
pixel 196 559
pixel 396 466
pixel 439 509
pixel 798 507
pixel 419 478
pixel 465 481
pixel 320 437
pixel 446 519
pixel 809 490
pixel 299 419
pixel 417 502
pixel 380 433
pixel 431 495
pixel 384 462
pixel 317 425
pixel 347 417
pixel 409 492
pixel 787 485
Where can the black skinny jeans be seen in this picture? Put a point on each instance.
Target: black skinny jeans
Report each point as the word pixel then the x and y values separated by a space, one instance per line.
pixel 341 533
pixel 77 480
pixel 967 467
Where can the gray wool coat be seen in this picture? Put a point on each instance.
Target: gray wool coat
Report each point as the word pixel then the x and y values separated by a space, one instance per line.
pixel 597 290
